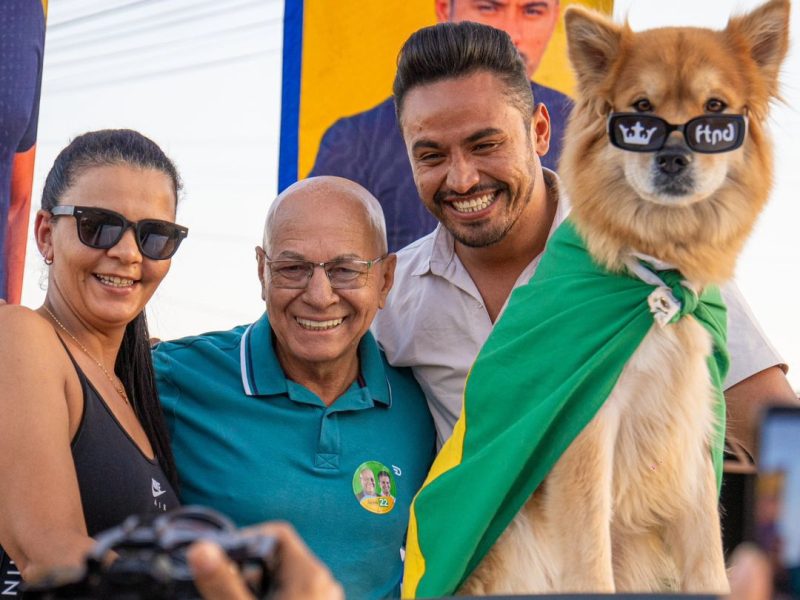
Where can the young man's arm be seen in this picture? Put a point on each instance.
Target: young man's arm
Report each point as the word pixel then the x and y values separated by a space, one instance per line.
pixel 747 399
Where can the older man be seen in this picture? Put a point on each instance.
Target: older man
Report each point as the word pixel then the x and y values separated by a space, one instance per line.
pixel 276 420
pixel 367 478
pixel 368 148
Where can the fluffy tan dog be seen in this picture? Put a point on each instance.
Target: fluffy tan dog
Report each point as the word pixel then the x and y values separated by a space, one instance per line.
pixel 632 504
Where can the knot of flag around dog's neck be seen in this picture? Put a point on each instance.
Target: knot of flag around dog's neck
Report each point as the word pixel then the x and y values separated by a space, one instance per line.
pixel 673 298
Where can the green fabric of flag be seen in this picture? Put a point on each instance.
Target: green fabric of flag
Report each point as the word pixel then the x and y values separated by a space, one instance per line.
pixel 549 364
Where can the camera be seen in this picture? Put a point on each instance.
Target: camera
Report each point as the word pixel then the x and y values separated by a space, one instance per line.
pixel 145 557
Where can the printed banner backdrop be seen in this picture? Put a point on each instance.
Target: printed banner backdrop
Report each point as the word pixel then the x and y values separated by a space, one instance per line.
pixel 22 27
pixel 339 59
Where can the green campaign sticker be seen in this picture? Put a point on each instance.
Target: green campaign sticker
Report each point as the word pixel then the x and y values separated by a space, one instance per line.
pixel 375 487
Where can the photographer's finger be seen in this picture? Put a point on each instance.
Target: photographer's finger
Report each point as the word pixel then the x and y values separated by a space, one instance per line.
pixel 215 575
pixel 301 574
pixel 750 574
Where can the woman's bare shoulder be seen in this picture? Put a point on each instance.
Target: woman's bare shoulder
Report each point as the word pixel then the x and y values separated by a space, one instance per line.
pixel 36 377
pixel 25 330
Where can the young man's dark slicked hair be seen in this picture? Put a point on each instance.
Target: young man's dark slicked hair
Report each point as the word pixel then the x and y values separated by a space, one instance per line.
pixel 452 50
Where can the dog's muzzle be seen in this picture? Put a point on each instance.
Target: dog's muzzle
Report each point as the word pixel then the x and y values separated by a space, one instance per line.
pixel 672 172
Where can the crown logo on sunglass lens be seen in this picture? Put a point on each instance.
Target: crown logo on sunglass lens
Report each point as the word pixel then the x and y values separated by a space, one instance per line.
pixel 637 134
pixel 705 135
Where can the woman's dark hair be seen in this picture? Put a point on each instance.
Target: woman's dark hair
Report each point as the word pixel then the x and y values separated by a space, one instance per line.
pixel 104 148
pixel 452 50
pixel 134 366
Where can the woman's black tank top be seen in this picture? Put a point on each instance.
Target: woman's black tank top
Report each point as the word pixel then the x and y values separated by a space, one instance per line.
pixel 116 480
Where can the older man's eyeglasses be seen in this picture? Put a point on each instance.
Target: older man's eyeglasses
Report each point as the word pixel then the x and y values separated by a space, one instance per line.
pixel 343 273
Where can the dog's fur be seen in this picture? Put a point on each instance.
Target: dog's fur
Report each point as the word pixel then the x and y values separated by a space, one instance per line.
pixel 632 504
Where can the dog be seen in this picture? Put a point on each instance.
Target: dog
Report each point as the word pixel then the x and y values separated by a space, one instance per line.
pixel 631 505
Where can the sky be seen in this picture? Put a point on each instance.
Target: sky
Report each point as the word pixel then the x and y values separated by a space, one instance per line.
pixel 203 78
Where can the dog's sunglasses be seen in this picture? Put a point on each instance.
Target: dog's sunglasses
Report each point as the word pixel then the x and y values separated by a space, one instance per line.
pixel 708 134
pixel 102 229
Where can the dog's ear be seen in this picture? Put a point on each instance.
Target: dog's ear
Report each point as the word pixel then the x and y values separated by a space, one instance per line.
pixel 765 32
pixel 593 44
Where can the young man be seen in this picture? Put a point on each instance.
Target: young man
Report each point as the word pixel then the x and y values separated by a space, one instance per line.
pixel 475 141
pixel 385 481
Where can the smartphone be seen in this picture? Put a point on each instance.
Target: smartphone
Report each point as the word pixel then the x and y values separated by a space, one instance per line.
pixel 776 518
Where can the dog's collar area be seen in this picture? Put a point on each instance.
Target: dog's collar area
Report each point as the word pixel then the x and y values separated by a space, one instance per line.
pixel 664 306
pixel 659 265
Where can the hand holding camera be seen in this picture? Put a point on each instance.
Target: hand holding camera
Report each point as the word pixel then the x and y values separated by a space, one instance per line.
pixel 299 574
pixel 193 553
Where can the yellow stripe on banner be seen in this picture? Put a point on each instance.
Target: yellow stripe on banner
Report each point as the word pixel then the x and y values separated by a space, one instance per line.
pixel 555 71
pixel 44 7
pixel 449 457
pixel 349 56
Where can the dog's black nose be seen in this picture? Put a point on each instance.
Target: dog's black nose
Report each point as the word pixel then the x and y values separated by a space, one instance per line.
pixel 673 160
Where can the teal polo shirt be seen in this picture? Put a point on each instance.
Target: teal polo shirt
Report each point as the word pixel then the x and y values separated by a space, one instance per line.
pixel 257 446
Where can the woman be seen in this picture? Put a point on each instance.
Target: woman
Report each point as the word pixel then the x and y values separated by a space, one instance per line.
pixel 82 438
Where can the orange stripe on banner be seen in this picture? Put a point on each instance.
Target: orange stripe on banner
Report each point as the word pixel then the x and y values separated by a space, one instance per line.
pixel 18 216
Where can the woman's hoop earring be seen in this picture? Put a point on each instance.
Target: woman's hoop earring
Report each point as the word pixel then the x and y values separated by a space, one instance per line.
pixel 48 261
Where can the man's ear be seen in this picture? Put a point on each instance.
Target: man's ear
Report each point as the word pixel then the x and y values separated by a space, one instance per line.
pixel 261 258
pixel 43 232
pixel 593 42
pixel 540 129
pixel 443 10
pixel 389 265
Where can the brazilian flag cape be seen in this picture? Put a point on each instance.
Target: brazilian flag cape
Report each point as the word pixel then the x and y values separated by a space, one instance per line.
pixel 549 364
